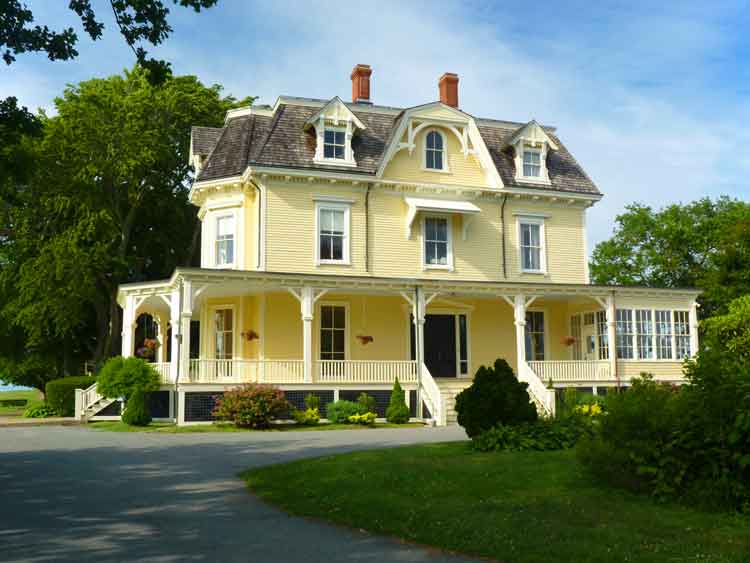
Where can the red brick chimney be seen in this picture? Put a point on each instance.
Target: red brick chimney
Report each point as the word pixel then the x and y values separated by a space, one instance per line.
pixel 361 84
pixel 449 89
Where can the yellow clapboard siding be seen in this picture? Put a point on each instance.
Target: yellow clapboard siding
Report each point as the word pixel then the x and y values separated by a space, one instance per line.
pixel 462 171
pixel 628 369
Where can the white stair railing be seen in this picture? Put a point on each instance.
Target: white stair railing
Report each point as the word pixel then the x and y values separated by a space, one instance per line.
pixel 432 396
pixel 543 397
pixel 85 399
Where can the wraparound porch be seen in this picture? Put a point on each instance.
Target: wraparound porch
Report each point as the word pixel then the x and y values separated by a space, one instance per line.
pixel 237 327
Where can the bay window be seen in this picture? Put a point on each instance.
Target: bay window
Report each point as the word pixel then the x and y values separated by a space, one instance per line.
pixel 225 235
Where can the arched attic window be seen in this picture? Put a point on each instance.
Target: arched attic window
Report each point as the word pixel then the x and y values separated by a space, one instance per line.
pixel 434 151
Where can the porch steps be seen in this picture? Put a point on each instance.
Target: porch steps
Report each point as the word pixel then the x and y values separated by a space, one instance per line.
pixel 449 388
pixel 93 410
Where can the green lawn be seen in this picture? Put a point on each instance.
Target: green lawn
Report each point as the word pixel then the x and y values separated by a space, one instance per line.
pixel 519 507
pixel 169 428
pixel 32 397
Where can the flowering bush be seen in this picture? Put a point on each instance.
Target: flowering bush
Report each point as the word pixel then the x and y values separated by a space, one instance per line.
pixel 251 405
pixel 307 417
pixel 367 419
pixel 592 410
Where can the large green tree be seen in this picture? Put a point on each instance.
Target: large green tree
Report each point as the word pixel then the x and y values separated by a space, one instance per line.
pixel 704 244
pixel 106 204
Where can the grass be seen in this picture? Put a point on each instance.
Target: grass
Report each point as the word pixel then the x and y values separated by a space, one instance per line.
pixel 520 507
pixel 169 428
pixel 32 397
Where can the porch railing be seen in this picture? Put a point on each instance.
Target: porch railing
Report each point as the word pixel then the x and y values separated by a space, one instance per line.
pixel 245 371
pixel 365 371
pixel 572 371
pixel 543 397
pixel 165 371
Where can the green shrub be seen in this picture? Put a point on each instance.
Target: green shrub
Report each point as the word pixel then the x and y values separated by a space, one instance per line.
pixel 42 410
pixel 366 403
pixel 61 393
pixel 312 402
pixel 251 405
pixel 339 411
pixel 121 377
pixel 542 435
pixel 307 417
pixel 136 411
pixel 495 397
pixel 397 411
pixel 366 419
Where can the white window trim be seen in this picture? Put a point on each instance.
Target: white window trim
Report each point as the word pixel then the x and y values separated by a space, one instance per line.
pixel 541 148
pixel 236 349
pixel 337 206
pixel 546 335
pixel 532 220
pixel 423 238
pixel 319 326
pixel 208 216
pixel 445 169
pixel 218 217
pixel 348 131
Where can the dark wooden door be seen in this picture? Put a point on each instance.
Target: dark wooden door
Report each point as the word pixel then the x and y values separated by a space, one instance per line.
pixel 440 345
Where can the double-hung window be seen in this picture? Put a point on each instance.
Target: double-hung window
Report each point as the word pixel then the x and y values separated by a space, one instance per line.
pixel 534 332
pixel 624 332
pixel 334 144
pixel 531 239
pixel 682 334
pixel 225 233
pixel 663 335
pixel 644 328
pixel 434 156
pixel 333 233
pixel 437 242
pixel 332 332
pixel 532 163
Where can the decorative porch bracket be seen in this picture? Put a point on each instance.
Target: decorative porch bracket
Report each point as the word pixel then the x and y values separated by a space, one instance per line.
pixel 307 297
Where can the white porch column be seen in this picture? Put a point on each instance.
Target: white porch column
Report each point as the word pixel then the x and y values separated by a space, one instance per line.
pixel 174 321
pixel 161 352
pixel 185 317
pixel 693 320
pixel 307 302
pixel 128 326
pixel 612 335
pixel 419 307
pixel 519 315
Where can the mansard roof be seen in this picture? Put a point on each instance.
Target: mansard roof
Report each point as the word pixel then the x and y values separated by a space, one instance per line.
pixel 277 137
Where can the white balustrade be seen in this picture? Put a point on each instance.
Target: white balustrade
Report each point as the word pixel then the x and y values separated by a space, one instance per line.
pixel 365 371
pixel 432 397
pixel 244 371
pixel 572 371
pixel 164 369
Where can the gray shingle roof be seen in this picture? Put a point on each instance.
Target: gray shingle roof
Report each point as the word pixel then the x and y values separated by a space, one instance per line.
pixel 282 141
pixel 204 139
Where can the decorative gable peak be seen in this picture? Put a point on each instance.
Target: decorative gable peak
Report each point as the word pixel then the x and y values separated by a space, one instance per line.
pixel 530 144
pixel 334 126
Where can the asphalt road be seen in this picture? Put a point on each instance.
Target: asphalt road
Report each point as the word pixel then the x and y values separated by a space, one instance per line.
pixel 75 494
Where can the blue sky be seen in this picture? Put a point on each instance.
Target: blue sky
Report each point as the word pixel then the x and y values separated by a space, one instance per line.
pixel 651 98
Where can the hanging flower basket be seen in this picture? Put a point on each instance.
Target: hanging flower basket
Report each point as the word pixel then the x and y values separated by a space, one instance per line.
pixel 568 340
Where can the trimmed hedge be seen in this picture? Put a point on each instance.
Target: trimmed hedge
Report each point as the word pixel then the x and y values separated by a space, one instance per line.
pixel 61 393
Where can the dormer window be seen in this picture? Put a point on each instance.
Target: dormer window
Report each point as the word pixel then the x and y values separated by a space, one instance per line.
pixel 532 163
pixel 335 126
pixel 434 157
pixel 334 143
pixel 531 145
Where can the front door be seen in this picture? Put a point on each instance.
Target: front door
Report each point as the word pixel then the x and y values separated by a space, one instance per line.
pixel 440 345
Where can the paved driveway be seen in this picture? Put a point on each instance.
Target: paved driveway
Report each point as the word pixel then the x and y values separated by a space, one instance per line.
pixel 75 494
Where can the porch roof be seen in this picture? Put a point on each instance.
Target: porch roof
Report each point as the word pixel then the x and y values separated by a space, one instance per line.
pixel 256 280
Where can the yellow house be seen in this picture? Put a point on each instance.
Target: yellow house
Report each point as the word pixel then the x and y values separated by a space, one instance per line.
pixel 345 244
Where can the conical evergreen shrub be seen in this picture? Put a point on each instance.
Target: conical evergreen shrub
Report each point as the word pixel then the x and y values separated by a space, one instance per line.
pixel 397 412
